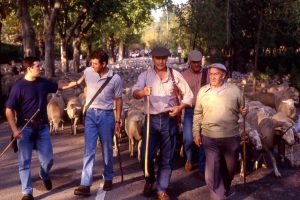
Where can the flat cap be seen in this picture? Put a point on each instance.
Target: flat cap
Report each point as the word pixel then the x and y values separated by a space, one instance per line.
pixel 160 52
pixel 195 55
pixel 219 66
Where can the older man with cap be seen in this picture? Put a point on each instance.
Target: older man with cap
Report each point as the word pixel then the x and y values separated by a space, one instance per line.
pixel 196 77
pixel 158 83
pixel 216 113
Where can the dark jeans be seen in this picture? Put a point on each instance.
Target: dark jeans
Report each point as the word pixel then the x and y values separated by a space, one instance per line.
pixel 221 162
pixel 188 139
pixel 163 131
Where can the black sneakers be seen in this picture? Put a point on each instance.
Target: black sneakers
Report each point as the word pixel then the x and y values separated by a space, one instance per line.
pixel 27 197
pixel 83 190
pixel 107 185
pixel 47 183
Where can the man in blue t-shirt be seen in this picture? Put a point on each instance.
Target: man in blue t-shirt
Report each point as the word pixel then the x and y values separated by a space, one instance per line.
pixel 27 96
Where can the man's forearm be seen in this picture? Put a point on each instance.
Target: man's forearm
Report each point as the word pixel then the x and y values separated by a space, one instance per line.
pixel 119 105
pixel 11 119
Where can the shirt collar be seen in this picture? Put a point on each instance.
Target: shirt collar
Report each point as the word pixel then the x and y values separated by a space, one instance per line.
pixel 218 90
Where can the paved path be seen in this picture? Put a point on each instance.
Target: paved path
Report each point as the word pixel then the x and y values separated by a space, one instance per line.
pixel 68 152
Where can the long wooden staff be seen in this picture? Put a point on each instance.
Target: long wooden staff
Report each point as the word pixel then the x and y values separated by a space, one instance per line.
pixel 147 137
pixel 244 132
pixel 119 157
pixel 7 147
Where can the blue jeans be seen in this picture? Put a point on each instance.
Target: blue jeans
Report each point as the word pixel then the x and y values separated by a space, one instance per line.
pixel 44 151
pixel 98 123
pixel 188 139
pixel 163 131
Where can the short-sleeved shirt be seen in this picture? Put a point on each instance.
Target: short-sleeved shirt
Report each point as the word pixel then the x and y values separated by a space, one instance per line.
pixel 110 92
pixel 27 96
pixel 162 97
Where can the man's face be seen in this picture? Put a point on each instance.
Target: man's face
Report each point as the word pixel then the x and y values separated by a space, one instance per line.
pixel 216 77
pixel 160 62
pixel 97 66
pixel 195 65
pixel 35 69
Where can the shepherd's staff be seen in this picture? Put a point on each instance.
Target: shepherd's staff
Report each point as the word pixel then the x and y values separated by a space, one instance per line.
pixel 119 158
pixel 244 130
pixel 7 147
pixel 147 137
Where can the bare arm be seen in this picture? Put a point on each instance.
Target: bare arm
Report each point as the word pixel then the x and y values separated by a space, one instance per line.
pixel 10 115
pixel 65 86
pixel 119 105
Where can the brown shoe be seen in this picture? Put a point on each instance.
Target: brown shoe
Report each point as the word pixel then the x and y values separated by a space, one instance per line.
pixel 163 196
pixel 27 197
pixel 188 166
pixel 107 185
pixel 83 191
pixel 148 191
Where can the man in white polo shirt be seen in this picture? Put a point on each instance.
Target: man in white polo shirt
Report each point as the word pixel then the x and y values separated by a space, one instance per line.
pixel 100 120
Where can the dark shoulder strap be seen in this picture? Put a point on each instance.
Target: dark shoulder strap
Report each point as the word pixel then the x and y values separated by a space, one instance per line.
pixel 204 77
pixel 98 92
pixel 172 76
pixel 176 89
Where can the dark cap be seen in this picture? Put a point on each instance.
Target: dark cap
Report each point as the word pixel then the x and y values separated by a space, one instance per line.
pixel 160 52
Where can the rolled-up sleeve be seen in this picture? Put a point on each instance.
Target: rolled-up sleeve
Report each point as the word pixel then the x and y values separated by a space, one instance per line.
pixel 198 115
pixel 140 84
pixel 187 94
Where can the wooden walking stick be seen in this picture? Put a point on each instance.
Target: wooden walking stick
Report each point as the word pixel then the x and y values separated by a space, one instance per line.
pixel 119 158
pixel 147 137
pixel 244 131
pixel 7 147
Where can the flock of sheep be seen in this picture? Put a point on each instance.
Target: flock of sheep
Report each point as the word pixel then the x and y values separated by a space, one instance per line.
pixel 272 112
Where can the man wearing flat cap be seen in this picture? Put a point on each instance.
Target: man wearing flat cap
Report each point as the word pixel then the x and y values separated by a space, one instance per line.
pixel 216 113
pixel 196 77
pixel 158 83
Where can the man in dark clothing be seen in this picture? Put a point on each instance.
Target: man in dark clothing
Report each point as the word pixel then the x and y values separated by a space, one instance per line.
pixel 27 96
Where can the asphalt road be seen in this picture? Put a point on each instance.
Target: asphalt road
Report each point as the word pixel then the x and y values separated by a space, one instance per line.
pixel 68 152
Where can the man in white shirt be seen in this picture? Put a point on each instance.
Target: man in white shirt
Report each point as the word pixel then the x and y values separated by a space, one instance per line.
pixel 157 83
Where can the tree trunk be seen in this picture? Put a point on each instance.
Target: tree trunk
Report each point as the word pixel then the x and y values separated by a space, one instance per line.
pixel 49 55
pixel 89 51
pixel 76 53
pixel 49 14
pixel 228 42
pixel 28 34
pixel 112 57
pixel 64 55
pixel 121 50
pixel 194 41
pixel 257 48
pixel 41 47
